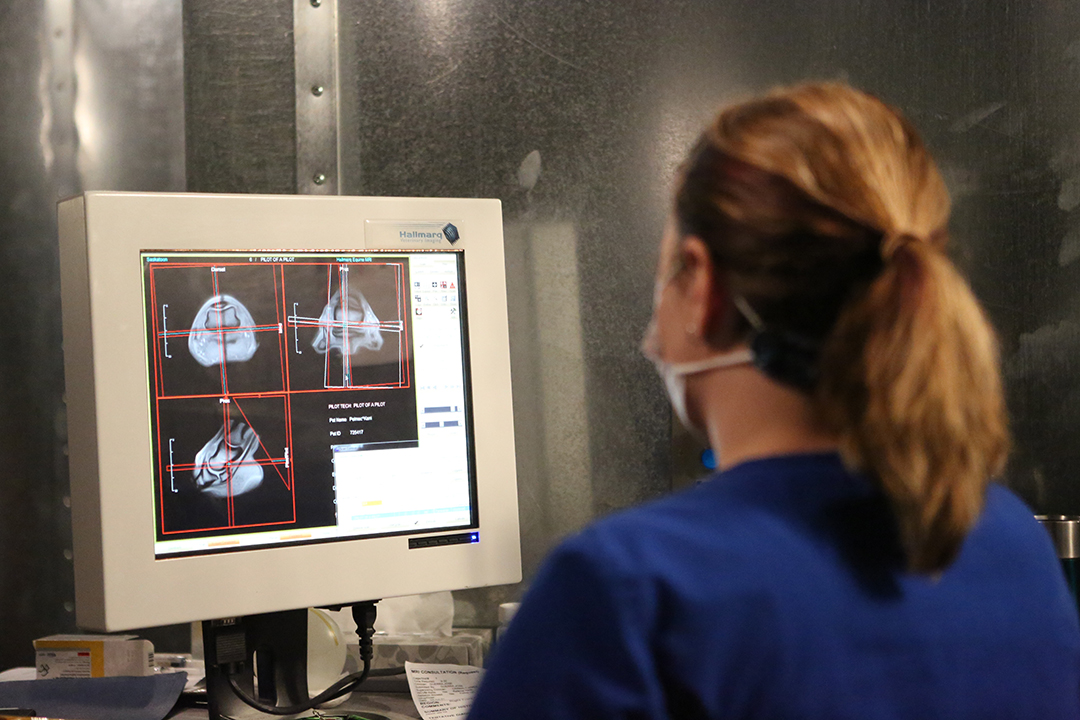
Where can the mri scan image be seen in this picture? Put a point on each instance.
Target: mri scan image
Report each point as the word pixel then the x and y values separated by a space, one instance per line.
pixel 348 327
pixel 226 465
pixel 223 331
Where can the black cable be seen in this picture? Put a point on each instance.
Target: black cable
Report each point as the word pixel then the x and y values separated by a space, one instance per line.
pixel 364 613
pixel 341 687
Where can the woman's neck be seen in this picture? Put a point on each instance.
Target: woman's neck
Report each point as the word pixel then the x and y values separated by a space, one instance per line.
pixel 749 416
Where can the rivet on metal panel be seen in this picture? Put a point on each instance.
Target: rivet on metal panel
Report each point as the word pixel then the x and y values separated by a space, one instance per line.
pixel 315 38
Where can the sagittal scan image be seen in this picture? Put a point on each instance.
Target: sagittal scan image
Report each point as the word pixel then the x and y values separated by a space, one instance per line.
pixel 347 325
pixel 226 465
pixel 223 331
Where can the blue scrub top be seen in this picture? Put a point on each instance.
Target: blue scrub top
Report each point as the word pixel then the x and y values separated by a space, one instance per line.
pixel 775 590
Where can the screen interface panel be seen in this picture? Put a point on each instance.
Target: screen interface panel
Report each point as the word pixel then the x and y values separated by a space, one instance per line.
pixel 306 397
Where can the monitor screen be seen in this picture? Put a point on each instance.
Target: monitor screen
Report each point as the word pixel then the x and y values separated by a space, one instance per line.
pixel 306 397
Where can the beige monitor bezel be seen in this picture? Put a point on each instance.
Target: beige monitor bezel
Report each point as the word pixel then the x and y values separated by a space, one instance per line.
pixel 119 584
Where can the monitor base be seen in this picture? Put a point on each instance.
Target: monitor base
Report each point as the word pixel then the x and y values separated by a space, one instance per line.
pixel 265 654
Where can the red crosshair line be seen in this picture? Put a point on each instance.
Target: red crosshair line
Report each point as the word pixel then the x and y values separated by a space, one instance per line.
pixel 222 332
pixel 261 445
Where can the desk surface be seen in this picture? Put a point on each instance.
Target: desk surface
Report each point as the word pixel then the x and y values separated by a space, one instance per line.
pixel 394 706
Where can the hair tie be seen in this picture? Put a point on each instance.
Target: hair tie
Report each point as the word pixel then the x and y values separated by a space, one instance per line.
pixel 891 242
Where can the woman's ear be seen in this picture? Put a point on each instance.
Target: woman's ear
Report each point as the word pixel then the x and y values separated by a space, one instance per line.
pixel 705 289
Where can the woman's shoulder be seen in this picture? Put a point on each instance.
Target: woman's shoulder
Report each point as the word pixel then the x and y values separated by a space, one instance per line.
pixel 1008 532
pixel 756 514
pixel 803 516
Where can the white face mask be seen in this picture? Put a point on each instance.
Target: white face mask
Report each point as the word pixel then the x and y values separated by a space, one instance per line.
pixel 674 374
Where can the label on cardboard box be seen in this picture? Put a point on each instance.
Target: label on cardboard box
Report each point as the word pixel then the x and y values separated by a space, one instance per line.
pixel 86 656
pixel 63 664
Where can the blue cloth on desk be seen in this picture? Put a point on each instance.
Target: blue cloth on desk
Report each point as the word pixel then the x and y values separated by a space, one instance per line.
pixel 112 698
pixel 775 590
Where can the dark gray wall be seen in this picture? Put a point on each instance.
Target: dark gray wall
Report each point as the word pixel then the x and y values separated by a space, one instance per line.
pixel 574 113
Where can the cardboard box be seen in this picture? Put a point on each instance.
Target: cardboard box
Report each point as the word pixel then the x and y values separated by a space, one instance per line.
pixel 89 656
pixel 465 647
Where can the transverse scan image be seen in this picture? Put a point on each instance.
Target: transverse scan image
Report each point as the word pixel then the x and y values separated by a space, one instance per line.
pixel 348 326
pixel 226 464
pixel 217 328
pixel 223 331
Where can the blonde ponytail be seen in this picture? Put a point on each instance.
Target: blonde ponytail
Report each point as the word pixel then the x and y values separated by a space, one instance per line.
pixel 823 209
pixel 910 380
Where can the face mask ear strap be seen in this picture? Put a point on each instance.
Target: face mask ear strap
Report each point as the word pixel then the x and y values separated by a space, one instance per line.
pixel 749 313
pixel 784 356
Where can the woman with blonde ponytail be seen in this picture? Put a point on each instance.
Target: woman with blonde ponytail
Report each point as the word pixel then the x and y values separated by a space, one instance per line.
pixel 852 557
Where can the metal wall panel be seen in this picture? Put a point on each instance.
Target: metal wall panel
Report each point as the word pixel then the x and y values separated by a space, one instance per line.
pixel 129 107
pixel 534 103
pixel 35 526
pixel 576 114
pixel 240 103
pixel 1030 277
pixel 91 97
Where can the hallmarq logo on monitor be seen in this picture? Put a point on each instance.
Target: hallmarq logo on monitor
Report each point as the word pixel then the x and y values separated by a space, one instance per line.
pixel 379 233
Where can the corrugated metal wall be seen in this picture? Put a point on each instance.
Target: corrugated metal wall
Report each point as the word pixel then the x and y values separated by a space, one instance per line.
pixel 574 113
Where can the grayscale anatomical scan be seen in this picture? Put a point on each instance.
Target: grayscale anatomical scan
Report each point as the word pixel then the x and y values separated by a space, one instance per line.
pixel 229 456
pixel 226 465
pixel 350 324
pixel 223 331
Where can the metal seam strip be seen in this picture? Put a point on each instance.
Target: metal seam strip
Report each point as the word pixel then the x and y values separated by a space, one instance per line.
pixel 59 138
pixel 315 43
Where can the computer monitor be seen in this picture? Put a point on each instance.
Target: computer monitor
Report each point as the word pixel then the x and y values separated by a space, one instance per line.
pixel 277 402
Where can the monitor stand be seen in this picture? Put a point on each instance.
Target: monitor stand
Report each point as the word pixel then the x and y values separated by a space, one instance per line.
pixel 271 646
